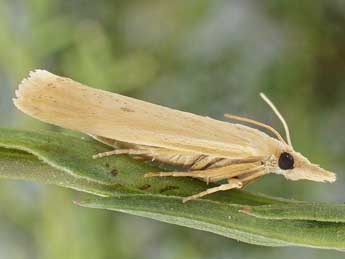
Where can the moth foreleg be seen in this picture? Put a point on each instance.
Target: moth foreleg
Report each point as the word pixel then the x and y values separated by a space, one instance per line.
pixel 232 184
pixel 162 155
pixel 120 152
pixel 214 174
pixel 249 178
pixel 176 174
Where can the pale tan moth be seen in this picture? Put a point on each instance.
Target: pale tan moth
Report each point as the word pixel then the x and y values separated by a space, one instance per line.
pixel 208 149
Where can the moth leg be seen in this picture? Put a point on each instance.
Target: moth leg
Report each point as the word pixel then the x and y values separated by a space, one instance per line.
pixel 120 152
pixel 232 183
pixel 241 173
pixel 214 174
pixel 176 174
pixel 203 174
pixel 249 178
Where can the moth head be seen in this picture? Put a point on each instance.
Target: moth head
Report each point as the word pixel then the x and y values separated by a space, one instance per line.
pixel 291 164
pixel 294 166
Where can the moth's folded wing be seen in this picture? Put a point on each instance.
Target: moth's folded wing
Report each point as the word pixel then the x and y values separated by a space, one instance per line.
pixel 69 104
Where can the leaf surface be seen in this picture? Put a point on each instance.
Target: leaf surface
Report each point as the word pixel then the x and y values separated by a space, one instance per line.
pixel 66 160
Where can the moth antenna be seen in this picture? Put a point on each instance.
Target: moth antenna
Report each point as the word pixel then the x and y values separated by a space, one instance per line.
pixel 281 118
pixel 260 124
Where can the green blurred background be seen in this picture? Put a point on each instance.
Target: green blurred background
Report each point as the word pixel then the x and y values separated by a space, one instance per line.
pixel 206 57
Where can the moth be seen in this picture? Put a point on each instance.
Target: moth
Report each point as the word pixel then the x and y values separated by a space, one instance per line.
pixel 231 154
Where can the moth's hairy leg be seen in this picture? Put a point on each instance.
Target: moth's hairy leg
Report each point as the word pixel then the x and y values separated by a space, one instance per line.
pixel 162 155
pixel 232 184
pixel 203 174
pixel 110 142
pixel 239 174
pixel 120 152
pixel 214 174
pixel 177 174
pixel 252 177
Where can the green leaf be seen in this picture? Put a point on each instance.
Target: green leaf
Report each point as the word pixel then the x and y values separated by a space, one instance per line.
pixel 66 160
pixel 300 211
pixel 227 220
pixel 19 165
pixel 59 152
pixel 72 155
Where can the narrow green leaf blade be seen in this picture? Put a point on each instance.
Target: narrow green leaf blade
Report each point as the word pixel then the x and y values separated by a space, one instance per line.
pixel 299 211
pixel 73 156
pixel 62 152
pixel 19 165
pixel 64 160
pixel 227 220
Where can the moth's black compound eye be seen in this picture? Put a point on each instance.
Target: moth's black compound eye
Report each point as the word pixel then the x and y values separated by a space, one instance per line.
pixel 286 161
